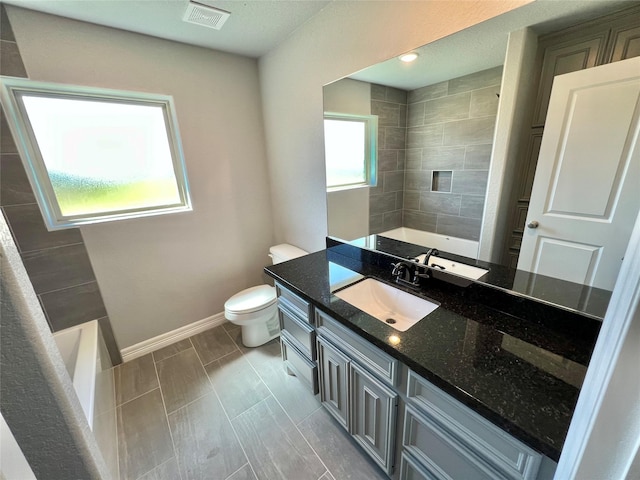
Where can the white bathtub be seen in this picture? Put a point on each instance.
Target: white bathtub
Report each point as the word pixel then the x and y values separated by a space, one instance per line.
pixel 459 246
pixel 87 360
pixel 79 349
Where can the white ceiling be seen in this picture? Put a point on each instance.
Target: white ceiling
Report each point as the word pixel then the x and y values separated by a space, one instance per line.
pixel 484 45
pixel 254 28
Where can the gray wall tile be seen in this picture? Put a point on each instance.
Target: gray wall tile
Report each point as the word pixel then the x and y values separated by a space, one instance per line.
pixel 274 446
pixel 396 95
pixel 474 81
pixel 403 109
pixel 443 158
pixel 73 306
pixel 416 114
pixel 413 159
pixel 419 220
pixel 477 157
pixel 30 232
pixel 204 440
pixel 395 138
pixel 393 181
pixel 484 102
pixel 472 206
pixel 144 441
pixel 468 228
pixel 237 384
pixel 135 378
pixel 59 267
pixel 7 144
pixel 182 379
pixel 425 136
pixel 470 182
pixel 417 180
pixel 392 220
pixel 379 204
pixel 15 188
pixel 109 339
pixel 440 203
pixel 6 32
pixel 10 60
pixel 402 157
pixel 388 113
pixel 427 93
pixel 446 109
pixel 376 224
pixel 411 200
pixel 387 160
pixel 469 132
pixel 378 92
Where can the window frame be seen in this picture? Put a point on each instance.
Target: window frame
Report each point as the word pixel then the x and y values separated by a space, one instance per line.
pixel 11 91
pixel 371 148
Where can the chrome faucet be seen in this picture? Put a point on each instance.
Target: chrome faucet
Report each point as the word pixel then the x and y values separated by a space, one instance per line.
pixel 431 252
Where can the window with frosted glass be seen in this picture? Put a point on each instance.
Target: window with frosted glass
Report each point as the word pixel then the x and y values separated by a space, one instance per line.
pixel 350 146
pixel 94 155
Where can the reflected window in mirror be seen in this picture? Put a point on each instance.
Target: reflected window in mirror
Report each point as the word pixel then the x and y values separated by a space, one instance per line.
pixel 350 149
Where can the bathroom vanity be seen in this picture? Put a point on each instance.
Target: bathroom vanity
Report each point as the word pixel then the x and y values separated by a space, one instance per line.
pixel 483 387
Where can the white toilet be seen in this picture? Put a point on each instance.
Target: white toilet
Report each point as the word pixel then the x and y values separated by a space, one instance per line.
pixel 255 309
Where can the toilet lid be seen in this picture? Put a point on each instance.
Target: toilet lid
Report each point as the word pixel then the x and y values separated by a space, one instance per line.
pixel 251 299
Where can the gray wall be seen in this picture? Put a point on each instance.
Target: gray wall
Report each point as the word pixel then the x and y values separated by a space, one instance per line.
pixel 386 199
pixel 449 135
pixel 161 273
pixel 57 262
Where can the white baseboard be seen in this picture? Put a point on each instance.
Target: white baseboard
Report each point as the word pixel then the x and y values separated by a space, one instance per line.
pixel 166 339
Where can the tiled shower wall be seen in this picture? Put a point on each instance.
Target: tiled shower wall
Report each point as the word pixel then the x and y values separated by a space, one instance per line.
pixel 450 129
pixel 57 262
pixel 386 199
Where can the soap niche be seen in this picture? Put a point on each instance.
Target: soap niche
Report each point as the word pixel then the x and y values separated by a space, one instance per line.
pixel 441 181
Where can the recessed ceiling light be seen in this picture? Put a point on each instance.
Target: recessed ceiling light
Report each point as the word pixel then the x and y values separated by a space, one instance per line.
pixel 408 57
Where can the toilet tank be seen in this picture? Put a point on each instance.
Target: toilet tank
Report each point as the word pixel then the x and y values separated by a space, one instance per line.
pixel 284 251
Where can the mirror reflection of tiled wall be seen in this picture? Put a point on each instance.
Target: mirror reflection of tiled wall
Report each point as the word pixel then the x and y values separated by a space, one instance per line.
pixel 441 150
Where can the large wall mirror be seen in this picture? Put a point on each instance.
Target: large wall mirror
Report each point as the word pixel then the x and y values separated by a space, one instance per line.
pixel 478 156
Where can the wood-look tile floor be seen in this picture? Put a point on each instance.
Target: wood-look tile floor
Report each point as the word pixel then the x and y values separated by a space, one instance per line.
pixel 208 408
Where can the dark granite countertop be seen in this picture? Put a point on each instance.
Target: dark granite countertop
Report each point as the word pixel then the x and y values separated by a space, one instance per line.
pixel 522 374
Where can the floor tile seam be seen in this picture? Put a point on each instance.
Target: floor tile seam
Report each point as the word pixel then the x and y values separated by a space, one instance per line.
pixel 138 396
pixel 232 474
pixel 220 358
pixel 244 451
pixel 191 402
pixel 305 438
pixel 170 356
pixel 157 466
pixel 166 417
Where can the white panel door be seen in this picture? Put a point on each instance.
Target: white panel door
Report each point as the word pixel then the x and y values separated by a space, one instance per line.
pixel 586 192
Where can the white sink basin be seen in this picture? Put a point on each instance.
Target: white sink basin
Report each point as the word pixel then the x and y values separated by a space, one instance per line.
pixel 457 268
pixel 397 308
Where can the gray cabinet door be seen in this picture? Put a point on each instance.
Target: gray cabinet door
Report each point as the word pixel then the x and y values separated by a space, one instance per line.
pixel 373 416
pixel 334 381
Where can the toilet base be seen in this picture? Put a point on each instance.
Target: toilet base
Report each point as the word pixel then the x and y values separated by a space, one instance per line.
pixel 260 333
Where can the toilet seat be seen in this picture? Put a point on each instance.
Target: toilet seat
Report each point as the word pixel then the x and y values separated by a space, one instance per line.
pixel 251 300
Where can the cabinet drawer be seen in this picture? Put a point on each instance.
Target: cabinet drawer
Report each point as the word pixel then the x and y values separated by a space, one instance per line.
pixel 411 469
pixel 383 365
pixel 432 444
pixel 295 303
pixel 303 333
pixel 501 450
pixel 295 361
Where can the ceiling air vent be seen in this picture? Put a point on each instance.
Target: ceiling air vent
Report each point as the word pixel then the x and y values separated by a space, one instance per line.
pixel 205 15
